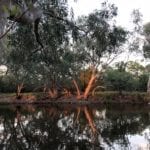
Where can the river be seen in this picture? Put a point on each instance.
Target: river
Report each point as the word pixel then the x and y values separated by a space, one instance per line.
pixel 67 127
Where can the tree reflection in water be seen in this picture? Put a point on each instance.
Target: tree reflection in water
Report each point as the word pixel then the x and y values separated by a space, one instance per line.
pixel 76 128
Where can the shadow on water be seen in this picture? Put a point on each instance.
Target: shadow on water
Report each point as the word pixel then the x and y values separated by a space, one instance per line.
pixel 74 128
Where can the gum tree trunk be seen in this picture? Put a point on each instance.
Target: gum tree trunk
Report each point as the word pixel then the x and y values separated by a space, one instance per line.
pixel 90 84
pixel 77 89
pixel 148 85
pixel 19 89
pixel 52 93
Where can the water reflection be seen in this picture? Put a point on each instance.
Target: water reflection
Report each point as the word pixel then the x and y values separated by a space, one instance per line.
pixel 76 128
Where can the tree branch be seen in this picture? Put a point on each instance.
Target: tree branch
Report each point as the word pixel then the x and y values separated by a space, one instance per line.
pixel 36 24
pixel 51 14
pixel 4 34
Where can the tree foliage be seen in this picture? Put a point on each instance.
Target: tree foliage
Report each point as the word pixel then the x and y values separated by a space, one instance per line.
pixel 146 47
pixel 100 38
pixel 119 80
pixel 71 49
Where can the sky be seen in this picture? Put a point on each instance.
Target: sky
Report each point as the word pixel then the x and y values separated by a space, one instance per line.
pixel 125 8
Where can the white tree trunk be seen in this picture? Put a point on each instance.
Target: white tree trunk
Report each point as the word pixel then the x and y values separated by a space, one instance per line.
pixel 148 85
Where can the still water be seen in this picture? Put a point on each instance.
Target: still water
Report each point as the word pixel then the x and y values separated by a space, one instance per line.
pixel 75 128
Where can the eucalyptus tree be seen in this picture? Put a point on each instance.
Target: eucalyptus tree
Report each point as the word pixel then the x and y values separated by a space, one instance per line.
pixel 119 80
pixel 49 52
pixel 146 49
pixel 135 68
pixel 146 46
pixel 20 60
pixel 19 11
pixel 100 41
pixel 16 11
pixel 13 12
pixel 31 12
pixel 53 62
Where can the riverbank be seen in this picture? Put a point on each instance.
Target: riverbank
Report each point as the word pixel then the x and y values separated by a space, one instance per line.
pixel 125 97
pixel 100 97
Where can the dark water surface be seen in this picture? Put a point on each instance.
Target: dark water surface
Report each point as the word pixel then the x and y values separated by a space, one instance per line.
pixel 75 128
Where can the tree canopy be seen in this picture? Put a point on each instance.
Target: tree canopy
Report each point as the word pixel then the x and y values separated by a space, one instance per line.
pixel 44 45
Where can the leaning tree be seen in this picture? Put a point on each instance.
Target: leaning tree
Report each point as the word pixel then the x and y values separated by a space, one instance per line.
pixel 101 40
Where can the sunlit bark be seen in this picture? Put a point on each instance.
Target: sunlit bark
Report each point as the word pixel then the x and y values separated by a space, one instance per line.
pixel 52 93
pixel 90 85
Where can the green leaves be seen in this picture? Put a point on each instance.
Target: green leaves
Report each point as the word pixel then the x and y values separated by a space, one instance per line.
pixel 5 8
pixel 146 46
pixel 15 11
pixel 68 46
pixel 101 37
pixel 116 80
